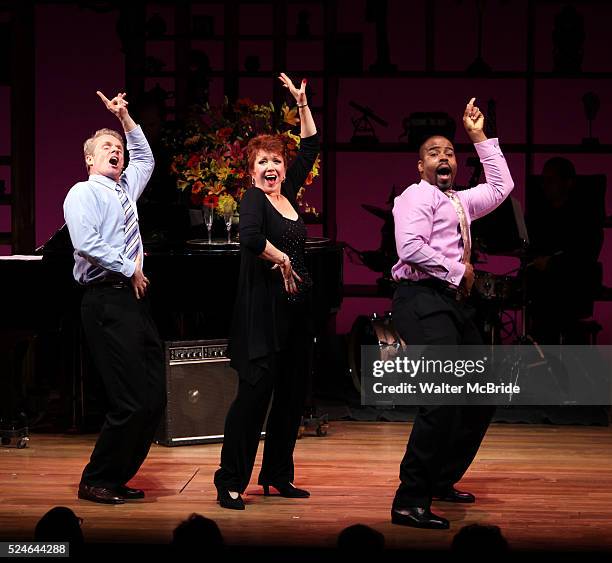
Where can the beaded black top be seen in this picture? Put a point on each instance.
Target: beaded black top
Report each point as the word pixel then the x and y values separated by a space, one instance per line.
pixel 292 242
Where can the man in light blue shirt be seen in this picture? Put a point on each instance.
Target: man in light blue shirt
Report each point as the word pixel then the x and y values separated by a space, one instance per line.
pixel 102 219
pixel 93 212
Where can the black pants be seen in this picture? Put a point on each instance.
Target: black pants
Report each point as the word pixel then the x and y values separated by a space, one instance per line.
pixel 284 377
pixel 127 352
pixel 444 438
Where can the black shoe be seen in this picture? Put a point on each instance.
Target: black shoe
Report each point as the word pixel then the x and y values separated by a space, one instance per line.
pixel 418 517
pixel 288 490
pixel 130 494
pixel 225 500
pixel 453 495
pixel 99 494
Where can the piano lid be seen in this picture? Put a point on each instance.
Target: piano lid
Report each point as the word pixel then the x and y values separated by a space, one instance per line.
pixel 58 243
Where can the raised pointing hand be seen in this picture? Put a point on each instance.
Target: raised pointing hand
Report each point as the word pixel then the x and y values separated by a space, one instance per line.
pixel 117 106
pixel 473 121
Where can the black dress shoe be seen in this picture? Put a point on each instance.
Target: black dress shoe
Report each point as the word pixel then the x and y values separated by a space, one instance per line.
pixel 418 517
pixel 99 494
pixel 226 500
pixel 453 495
pixel 130 494
pixel 288 490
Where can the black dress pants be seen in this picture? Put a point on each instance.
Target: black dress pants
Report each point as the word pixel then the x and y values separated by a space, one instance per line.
pixel 284 378
pixel 128 354
pixel 444 438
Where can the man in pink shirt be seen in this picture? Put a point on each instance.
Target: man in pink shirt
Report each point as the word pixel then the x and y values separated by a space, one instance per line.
pixel 434 278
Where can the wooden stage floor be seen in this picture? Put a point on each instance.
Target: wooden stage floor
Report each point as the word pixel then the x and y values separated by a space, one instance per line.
pixel 547 487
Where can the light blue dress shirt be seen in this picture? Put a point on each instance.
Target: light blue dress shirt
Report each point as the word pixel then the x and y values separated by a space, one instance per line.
pixel 96 219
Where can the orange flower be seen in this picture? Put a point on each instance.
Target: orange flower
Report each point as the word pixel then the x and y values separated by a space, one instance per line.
pixel 290 115
pixel 192 140
pixel 217 188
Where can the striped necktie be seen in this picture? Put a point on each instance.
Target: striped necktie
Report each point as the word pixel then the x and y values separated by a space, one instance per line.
pixel 465 230
pixel 132 236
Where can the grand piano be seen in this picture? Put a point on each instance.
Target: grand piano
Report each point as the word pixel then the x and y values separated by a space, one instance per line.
pixel 43 357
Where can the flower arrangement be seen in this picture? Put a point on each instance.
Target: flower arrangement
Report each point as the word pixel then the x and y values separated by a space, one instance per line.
pixel 210 161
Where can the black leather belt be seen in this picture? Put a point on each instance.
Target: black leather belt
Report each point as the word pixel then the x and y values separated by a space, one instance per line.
pixel 438 285
pixel 114 284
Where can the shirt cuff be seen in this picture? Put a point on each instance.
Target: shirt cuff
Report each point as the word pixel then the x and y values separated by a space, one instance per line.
pixel 128 268
pixel 455 274
pixel 488 148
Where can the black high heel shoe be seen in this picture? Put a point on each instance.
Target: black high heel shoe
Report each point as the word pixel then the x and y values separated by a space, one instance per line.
pixel 226 500
pixel 288 490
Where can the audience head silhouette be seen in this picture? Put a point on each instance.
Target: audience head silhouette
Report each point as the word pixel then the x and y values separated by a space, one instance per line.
pixel 361 538
pixel 197 532
pixel 59 524
pixel 479 538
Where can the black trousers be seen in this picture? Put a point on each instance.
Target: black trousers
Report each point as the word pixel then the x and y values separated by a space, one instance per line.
pixel 284 378
pixel 128 354
pixel 444 438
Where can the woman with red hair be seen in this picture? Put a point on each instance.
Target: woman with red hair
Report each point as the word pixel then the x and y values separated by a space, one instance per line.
pixel 271 329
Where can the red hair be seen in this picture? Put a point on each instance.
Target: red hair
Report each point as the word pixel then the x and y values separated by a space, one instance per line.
pixel 269 143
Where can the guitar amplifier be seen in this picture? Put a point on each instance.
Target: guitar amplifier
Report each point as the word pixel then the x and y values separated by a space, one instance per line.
pixel 200 387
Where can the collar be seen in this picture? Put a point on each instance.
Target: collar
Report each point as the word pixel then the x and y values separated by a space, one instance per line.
pixel 449 191
pixel 104 180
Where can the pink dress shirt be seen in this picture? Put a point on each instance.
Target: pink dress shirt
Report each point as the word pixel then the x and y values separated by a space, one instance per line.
pixel 427 232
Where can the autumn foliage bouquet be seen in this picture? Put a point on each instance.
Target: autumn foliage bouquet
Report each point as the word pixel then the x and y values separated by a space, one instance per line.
pixel 210 161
